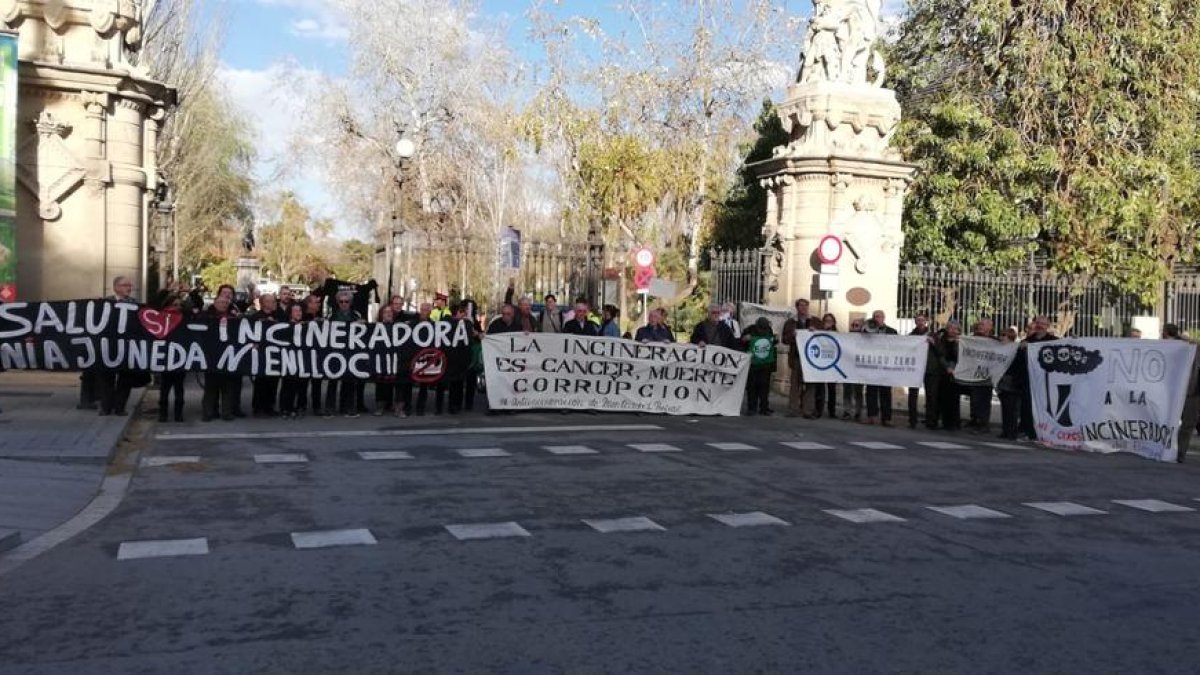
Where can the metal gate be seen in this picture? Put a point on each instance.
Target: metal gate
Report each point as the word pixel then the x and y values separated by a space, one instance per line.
pixel 739 275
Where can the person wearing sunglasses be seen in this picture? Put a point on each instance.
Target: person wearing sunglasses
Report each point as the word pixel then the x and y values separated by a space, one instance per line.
pixel 341 395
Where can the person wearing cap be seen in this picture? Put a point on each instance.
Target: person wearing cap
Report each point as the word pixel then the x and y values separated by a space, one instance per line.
pixel 440 310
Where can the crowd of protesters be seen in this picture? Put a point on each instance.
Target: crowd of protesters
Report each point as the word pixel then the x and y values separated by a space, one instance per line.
pixel 109 390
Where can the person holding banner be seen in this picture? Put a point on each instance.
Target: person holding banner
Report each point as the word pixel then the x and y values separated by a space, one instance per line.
pixel 714 331
pixel 580 324
pixel 879 398
pixel 312 312
pixel 341 396
pixel 656 329
pixel 852 393
pixel 760 343
pixel 796 392
pixel 551 319
pixel 980 394
pixel 949 391
pixel 171 381
pixel 1009 392
pixel 291 387
pixel 220 388
pixel 933 376
pixel 1037 331
pixel 829 323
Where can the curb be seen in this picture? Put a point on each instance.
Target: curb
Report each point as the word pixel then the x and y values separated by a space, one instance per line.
pixel 112 490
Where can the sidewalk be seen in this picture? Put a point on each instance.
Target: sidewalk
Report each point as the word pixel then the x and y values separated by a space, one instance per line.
pixel 52 456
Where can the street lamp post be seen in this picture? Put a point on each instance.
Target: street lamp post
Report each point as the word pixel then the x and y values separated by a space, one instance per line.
pixel 402 155
pixel 164 204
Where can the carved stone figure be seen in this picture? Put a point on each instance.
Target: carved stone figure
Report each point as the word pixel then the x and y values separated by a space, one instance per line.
pixel 840 44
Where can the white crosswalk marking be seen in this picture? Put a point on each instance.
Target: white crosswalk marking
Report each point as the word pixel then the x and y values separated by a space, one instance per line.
pixel 943 445
pixel 162 548
pixel 383 455
pixel 468 531
pixel 1153 505
pixel 281 458
pixel 731 447
pixel 751 519
pixel 865 516
pixel 968 511
pixel 1006 446
pixel 161 460
pixel 806 445
pixel 328 538
pixel 654 447
pixel 569 449
pixel 877 445
pixel 474 453
pixel 1066 508
pixel 632 524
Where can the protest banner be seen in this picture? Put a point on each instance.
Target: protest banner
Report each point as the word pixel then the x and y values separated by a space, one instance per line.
pixel 749 312
pixel 552 370
pixel 863 358
pixel 983 360
pixel 1110 395
pixel 85 334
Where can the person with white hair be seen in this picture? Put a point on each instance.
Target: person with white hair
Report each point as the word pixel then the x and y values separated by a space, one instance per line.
pixel 713 331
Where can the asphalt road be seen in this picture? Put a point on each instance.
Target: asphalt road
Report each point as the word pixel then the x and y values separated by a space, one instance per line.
pixel 1028 590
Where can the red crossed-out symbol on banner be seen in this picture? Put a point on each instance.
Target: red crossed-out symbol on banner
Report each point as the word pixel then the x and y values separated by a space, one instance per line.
pixel 428 366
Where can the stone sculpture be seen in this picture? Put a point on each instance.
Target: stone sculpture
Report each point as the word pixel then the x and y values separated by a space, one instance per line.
pixel 840 45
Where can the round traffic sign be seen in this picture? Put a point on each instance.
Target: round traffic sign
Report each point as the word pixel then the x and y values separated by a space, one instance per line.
pixel 644 257
pixel 829 251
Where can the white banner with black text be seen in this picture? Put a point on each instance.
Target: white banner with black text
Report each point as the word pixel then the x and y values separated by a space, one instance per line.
pixel 863 358
pixel 983 360
pixel 1110 395
pixel 551 370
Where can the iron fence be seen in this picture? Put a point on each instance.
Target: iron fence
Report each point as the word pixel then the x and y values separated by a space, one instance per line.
pixel 1182 302
pixel 1076 306
pixel 738 275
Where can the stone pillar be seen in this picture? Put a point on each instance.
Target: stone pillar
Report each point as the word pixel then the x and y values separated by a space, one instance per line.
pixel 85 162
pixel 837 174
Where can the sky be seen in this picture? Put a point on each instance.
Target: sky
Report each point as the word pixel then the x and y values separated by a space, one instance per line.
pixel 275 50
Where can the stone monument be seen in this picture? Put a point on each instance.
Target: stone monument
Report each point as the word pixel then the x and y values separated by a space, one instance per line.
pixel 837 175
pixel 87 130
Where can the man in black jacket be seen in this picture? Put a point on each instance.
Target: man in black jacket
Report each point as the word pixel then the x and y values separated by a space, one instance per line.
pixel 879 398
pixel 714 331
pixel 1038 331
pixel 579 324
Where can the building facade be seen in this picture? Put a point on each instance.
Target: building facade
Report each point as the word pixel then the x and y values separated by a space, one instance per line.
pixel 87 130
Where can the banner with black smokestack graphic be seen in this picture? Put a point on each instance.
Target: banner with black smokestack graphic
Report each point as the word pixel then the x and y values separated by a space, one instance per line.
pixel 552 370
pixel 84 334
pixel 1110 395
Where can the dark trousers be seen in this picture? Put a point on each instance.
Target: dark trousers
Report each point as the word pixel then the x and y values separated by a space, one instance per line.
pixel 87 389
pixel 932 401
pixel 341 396
pixel 439 397
pixel 469 384
pixel 265 391
pixel 879 402
pixel 219 392
pixel 360 395
pixel 385 395
pixel 454 396
pixel 949 393
pixel 1010 413
pixel 113 389
pixel 1026 417
pixel 302 396
pixel 236 395
pixel 758 390
pixel 290 391
pixel 981 406
pixel 852 400
pixel 171 382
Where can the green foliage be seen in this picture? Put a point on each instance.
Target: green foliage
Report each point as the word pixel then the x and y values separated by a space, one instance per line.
pixel 1067 125
pixel 218 273
pixel 737 221
pixel 354 261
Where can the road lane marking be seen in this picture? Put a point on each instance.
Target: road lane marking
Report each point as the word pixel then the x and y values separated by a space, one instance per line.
pixel 476 453
pixel 751 519
pixel 968 512
pixel 806 445
pixel 864 515
pixel 655 447
pixel 569 450
pixel 1153 505
pixel 632 524
pixel 877 445
pixel 468 531
pixel 166 460
pixel 328 538
pixel 281 458
pixel 1006 446
pixel 943 445
pixel 731 447
pixel 361 433
pixel 1066 508
pixel 382 455
pixel 162 548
